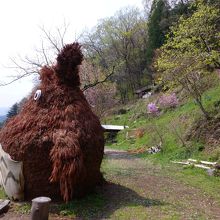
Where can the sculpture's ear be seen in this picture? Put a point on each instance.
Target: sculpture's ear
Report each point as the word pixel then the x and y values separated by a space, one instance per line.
pixel 67 64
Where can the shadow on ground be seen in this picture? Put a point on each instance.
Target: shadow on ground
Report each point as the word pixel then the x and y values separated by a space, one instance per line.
pixel 105 201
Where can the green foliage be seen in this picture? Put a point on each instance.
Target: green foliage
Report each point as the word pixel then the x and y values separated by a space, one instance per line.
pixel 94 203
pixel 126 42
pixel 161 17
pixel 23 208
pixel 2 193
pixel 191 50
pixel 192 44
pixel 120 42
pixel 158 25
pixel 181 8
pixel 168 124
pixel 195 177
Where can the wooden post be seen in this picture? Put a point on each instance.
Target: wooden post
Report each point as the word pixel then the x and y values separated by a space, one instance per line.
pixel 40 208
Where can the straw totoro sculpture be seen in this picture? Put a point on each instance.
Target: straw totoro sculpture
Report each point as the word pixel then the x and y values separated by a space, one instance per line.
pixel 56 135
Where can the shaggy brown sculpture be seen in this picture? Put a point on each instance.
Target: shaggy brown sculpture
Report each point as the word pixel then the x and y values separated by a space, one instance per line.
pixel 58 138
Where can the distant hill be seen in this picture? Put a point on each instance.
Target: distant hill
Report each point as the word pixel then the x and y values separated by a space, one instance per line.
pixel 2 118
pixel 3 110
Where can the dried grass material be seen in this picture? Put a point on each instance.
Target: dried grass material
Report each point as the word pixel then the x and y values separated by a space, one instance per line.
pixel 67 64
pixel 58 138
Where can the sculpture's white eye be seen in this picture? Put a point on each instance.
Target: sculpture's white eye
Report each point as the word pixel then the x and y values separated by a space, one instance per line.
pixel 37 95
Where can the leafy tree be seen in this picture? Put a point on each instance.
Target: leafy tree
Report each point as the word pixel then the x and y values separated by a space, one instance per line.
pixel 180 8
pixel 191 50
pixel 119 42
pixel 13 111
pixel 215 3
pixel 158 25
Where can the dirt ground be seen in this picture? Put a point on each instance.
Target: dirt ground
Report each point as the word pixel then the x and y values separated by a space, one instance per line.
pixel 139 190
pixel 13 216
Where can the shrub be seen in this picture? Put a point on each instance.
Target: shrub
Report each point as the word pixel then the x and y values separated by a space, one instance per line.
pixel 152 109
pixel 168 101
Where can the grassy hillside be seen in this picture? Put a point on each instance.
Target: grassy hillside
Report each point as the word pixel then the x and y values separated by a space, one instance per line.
pixel 170 128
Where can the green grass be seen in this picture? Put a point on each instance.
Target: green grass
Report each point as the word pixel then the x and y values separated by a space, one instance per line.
pixel 2 194
pixel 23 208
pixel 88 207
pixel 198 178
pixel 168 127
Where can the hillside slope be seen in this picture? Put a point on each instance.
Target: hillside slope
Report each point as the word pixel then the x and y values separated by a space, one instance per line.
pixel 171 127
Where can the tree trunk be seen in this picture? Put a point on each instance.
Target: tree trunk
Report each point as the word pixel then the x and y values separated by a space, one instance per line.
pixel 205 113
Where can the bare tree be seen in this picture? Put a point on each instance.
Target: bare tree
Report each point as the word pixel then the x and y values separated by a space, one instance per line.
pixel 51 44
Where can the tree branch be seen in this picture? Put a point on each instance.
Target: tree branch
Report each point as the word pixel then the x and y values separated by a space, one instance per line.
pixel 16 79
pixel 99 82
pixel 49 38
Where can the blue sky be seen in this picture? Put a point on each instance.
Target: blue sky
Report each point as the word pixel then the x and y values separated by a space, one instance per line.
pixel 20 33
